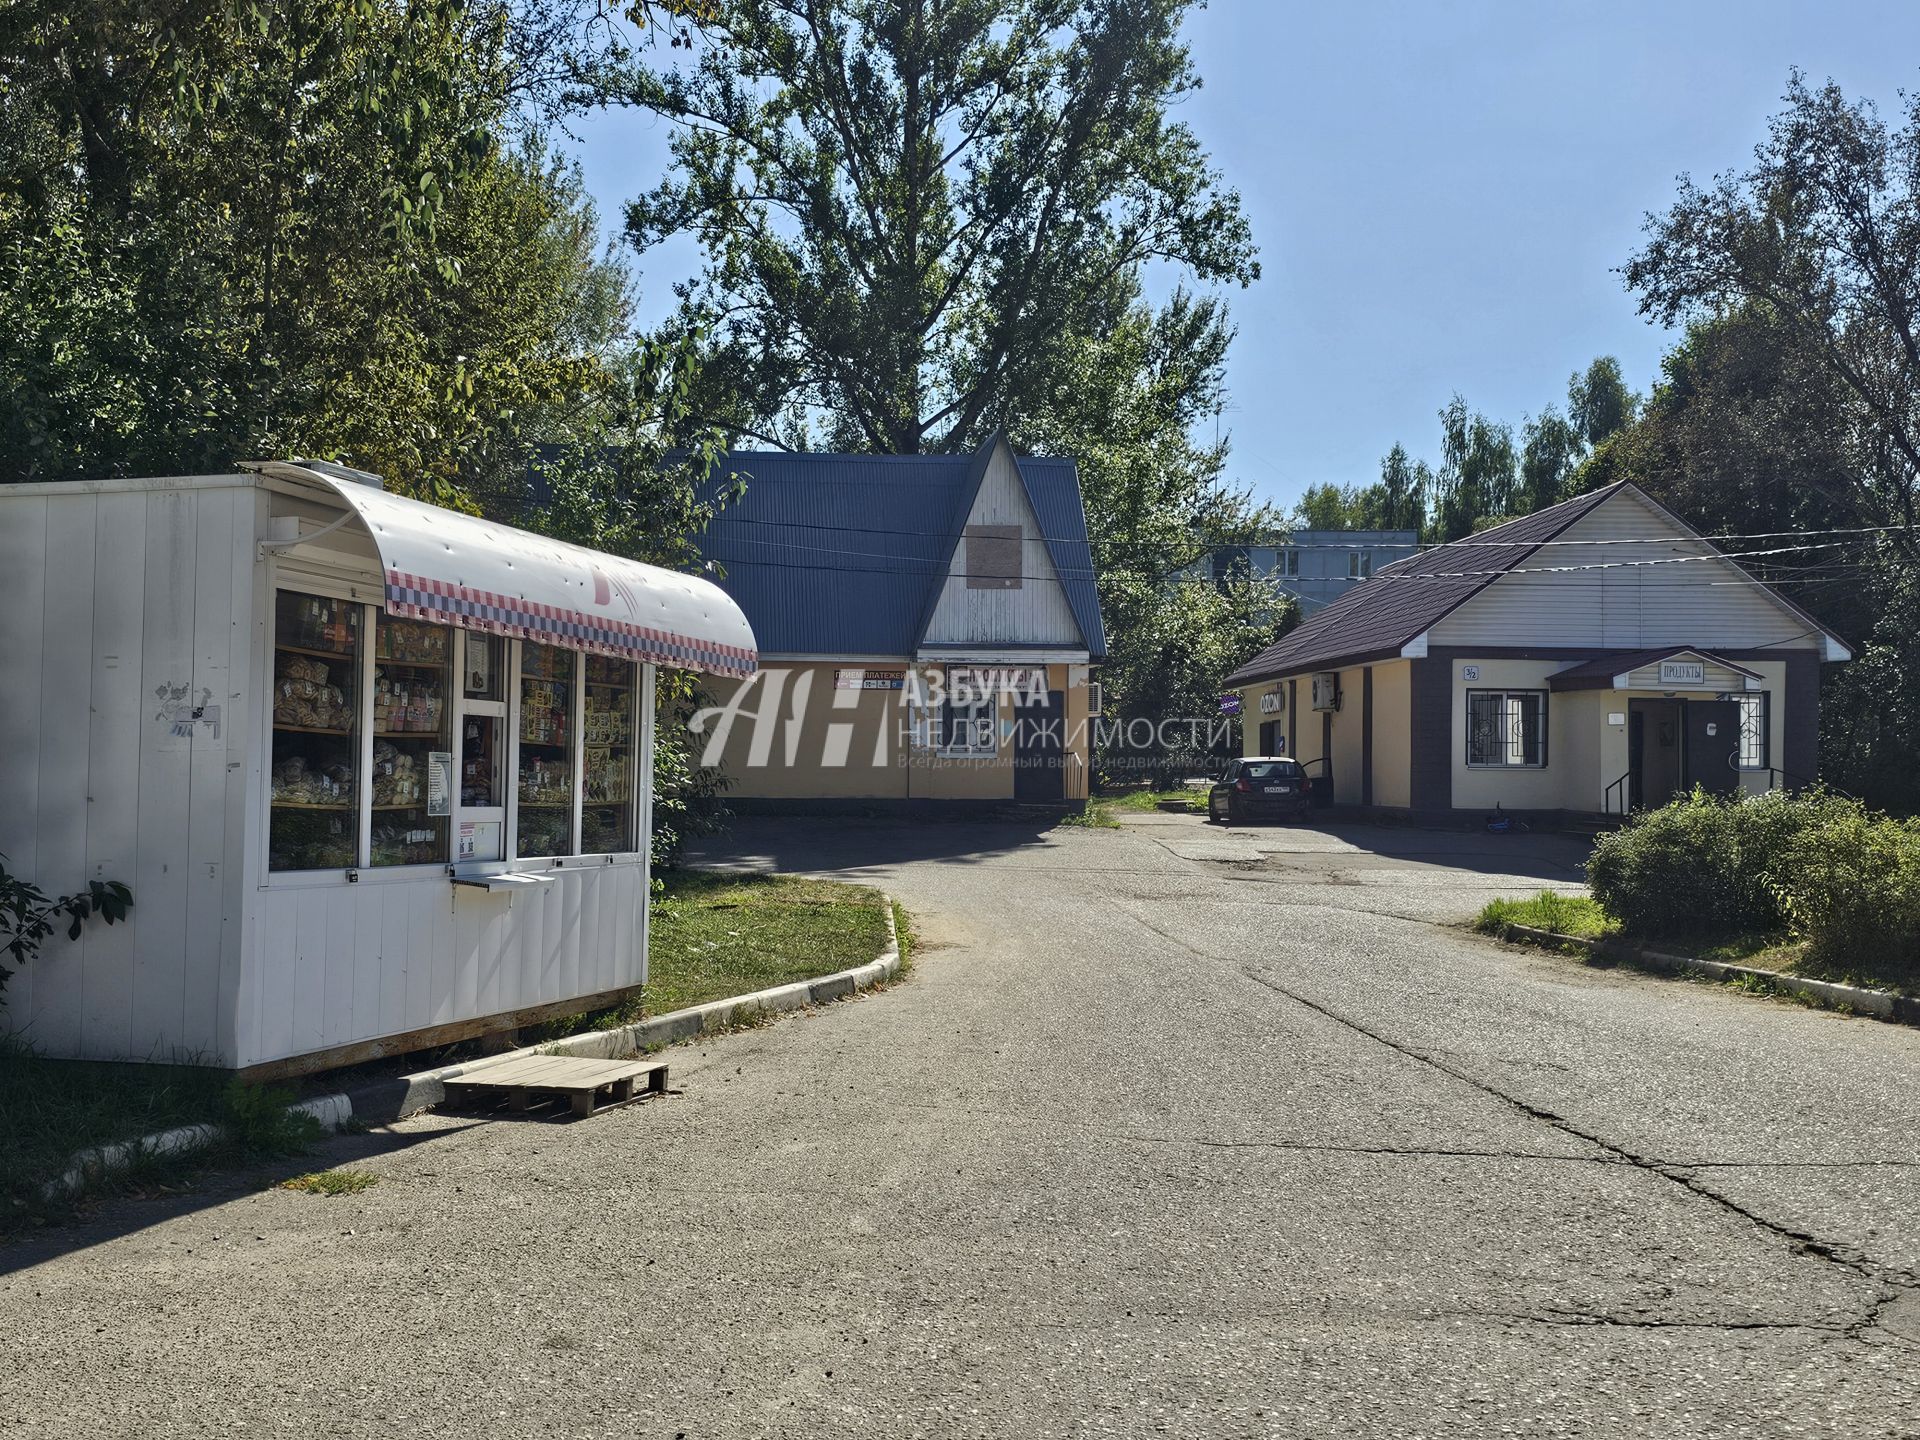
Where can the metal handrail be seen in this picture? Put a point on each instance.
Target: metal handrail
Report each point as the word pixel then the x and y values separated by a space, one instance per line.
pixel 1606 799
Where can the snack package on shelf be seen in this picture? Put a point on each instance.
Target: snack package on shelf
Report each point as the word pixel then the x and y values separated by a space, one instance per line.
pixel 304 695
pixel 545 782
pixel 406 702
pixel 297 783
pixel 405 845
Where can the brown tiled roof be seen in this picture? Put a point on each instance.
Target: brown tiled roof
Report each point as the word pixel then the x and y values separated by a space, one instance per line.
pixel 1378 616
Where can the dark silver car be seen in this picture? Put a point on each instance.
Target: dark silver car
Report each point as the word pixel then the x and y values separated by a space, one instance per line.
pixel 1259 787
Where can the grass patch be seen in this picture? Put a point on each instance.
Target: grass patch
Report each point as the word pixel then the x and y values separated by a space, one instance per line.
pixel 332 1182
pixel 52 1109
pixel 1097 816
pixel 1800 958
pixel 1576 915
pixel 720 935
pixel 1195 800
pixel 714 936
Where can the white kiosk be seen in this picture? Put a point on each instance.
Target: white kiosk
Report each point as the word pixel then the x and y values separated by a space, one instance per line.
pixel 378 773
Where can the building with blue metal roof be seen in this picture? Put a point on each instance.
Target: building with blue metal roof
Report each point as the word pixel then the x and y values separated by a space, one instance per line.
pixel 928 627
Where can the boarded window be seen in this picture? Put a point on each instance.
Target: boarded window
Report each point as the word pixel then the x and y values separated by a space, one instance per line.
pixel 993 557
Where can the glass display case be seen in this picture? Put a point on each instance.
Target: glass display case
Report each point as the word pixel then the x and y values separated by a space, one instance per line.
pixel 607 732
pixel 545 791
pixel 412 749
pixel 315 802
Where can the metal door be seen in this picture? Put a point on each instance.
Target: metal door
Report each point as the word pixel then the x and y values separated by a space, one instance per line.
pixel 1713 735
pixel 1039 749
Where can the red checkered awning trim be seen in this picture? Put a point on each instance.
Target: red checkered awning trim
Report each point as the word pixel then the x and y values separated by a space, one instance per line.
pixel 418 597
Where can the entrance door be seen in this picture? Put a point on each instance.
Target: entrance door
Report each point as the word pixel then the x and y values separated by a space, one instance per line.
pixel 1040 749
pixel 1713 733
pixel 1654 752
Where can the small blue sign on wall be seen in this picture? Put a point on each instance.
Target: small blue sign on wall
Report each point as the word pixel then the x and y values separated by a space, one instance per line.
pixel 1229 704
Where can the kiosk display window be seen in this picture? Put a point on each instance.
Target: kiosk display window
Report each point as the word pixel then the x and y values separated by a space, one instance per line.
pixel 314 797
pixel 607 730
pixel 545 792
pixel 412 750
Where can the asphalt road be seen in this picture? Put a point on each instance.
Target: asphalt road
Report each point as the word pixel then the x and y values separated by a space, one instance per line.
pixel 1173 1131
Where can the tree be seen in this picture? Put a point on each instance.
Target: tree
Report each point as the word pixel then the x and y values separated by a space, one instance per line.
pixel 1598 401
pixel 240 230
pixel 1550 448
pixel 1477 472
pixel 1129 402
pixel 916 211
pixel 1401 495
pixel 1798 277
pixel 1328 507
pixel 1170 646
pixel 1824 232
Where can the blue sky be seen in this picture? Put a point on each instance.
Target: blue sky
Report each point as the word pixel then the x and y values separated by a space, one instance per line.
pixel 1440 192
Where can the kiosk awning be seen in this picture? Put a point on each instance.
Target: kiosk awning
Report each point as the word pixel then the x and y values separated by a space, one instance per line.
pixel 461 570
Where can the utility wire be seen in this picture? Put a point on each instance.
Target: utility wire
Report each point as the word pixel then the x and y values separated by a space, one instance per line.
pixel 932 565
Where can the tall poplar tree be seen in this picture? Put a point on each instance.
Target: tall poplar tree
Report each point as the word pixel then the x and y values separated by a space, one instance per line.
pixel 915 211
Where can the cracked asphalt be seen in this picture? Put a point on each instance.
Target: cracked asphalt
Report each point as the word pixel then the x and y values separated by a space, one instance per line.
pixel 1174 1130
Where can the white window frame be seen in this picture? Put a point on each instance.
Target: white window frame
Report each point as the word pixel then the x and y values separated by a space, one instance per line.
pixel 1510 726
pixel 306 581
pixel 1289 562
pixel 1359 564
pixel 977 735
pixel 1754 700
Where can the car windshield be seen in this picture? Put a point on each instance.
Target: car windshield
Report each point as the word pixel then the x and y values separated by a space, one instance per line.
pixel 1271 770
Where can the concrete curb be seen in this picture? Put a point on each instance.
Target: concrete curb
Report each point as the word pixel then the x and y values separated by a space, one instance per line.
pixel 86 1166
pixel 390 1099
pixel 1880 1004
pixel 407 1094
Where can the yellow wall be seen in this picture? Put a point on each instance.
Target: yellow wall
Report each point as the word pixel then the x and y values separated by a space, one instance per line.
pixel 1476 788
pixel 1349 730
pixel 804 725
pixel 1393 733
pixel 1585 751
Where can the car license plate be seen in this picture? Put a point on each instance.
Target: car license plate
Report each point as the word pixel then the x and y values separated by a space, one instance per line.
pixel 1279 789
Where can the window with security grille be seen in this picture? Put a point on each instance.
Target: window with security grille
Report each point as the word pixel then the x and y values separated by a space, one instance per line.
pixel 1507 728
pixel 970 727
pixel 1752 754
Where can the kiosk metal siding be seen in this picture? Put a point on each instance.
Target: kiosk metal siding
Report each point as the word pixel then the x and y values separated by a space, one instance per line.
pixel 123 600
pixel 117 604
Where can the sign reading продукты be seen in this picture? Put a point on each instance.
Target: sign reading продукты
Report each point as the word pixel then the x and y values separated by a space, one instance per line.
pixel 1683 672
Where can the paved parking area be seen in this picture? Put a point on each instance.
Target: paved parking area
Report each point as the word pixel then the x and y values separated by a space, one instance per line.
pixel 1391 870
pixel 1173 1131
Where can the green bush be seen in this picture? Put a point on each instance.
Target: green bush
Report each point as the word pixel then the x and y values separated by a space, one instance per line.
pixel 1850 886
pixel 1708 866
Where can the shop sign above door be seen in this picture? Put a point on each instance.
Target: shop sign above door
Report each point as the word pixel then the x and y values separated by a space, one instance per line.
pixel 869 679
pixel 1683 672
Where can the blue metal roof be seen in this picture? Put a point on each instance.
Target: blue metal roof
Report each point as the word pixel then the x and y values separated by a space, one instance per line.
pixel 845 554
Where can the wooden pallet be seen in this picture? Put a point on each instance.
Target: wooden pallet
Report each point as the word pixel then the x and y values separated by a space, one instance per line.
pixel 590 1086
